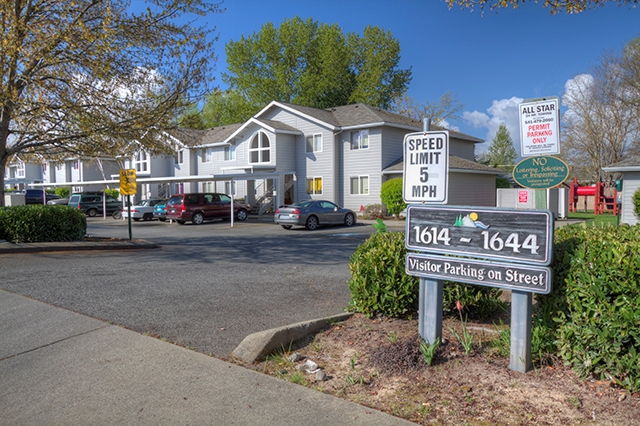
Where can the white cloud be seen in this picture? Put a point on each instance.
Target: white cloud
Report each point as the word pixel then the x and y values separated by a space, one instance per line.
pixel 503 111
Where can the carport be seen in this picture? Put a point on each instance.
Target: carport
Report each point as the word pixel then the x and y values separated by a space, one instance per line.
pixel 278 179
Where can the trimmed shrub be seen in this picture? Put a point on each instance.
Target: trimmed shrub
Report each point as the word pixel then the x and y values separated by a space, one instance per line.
pixel 594 306
pixel 380 285
pixel 63 191
pixel 112 192
pixel 391 196
pixel 41 223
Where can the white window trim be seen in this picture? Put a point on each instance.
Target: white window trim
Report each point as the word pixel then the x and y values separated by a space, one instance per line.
pixel 314 186
pixel 20 170
pixel 207 155
pixel 139 164
pixel 359 177
pixel 313 145
pixel 230 153
pixel 357 134
pixel 260 149
pixel 179 158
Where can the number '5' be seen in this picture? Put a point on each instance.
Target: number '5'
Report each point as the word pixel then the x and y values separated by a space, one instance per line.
pixel 424 174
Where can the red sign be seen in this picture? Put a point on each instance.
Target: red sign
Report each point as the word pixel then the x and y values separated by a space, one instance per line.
pixel 523 196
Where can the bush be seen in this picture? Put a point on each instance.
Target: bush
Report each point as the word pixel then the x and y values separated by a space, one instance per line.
pixel 41 223
pixel 372 211
pixel 113 193
pixel 636 203
pixel 63 191
pixel 502 183
pixel 391 196
pixel 594 306
pixel 380 285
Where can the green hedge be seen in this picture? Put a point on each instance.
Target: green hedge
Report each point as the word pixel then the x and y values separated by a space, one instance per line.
pixel 41 223
pixel 380 286
pixel 594 307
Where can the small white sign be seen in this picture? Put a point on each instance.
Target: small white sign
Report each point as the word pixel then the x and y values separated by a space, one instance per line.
pixel 426 167
pixel 540 127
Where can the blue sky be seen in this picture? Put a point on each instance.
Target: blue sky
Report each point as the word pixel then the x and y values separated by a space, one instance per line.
pixel 490 61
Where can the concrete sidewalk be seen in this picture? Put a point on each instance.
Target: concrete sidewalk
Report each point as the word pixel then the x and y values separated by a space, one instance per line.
pixel 62 368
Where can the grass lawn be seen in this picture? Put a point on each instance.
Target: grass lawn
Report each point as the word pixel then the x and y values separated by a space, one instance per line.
pixel 597 219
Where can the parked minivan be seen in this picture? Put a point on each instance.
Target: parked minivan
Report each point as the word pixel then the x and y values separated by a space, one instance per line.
pixel 91 203
pixel 200 207
pixel 34 196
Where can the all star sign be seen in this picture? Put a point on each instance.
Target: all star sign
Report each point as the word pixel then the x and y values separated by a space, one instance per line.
pixel 426 167
pixel 540 126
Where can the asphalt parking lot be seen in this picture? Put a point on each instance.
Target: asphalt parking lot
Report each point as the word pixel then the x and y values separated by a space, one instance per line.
pixel 207 287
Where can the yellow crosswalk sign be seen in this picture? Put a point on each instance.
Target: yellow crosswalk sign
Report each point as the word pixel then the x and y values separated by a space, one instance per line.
pixel 128 182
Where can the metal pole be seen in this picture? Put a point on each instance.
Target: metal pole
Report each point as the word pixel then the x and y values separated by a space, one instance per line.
pixel 430 303
pixel 129 215
pixel 521 312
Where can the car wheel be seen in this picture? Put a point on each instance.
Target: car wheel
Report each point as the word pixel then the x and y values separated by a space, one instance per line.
pixel 242 214
pixel 162 219
pixel 312 223
pixel 349 220
pixel 197 218
pixel 117 215
pixel 147 216
pixel 92 212
pixel 136 218
pixel 286 226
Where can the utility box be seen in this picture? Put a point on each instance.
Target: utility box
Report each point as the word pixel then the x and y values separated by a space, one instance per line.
pixel 554 199
pixel 14 199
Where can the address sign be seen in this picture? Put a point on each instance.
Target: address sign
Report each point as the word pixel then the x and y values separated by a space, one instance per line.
pixel 521 236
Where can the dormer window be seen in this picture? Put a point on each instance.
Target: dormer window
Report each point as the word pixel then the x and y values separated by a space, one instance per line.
pixel 260 149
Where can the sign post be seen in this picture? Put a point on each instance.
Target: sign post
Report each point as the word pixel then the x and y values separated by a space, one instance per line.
pixel 425 180
pixel 128 188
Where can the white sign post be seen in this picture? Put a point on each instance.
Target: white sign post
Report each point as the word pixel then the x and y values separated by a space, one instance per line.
pixel 540 126
pixel 426 167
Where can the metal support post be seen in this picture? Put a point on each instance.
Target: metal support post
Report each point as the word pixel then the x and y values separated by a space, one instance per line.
pixel 521 315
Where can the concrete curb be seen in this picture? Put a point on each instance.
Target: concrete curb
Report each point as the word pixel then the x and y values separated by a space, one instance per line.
pixel 94 244
pixel 258 345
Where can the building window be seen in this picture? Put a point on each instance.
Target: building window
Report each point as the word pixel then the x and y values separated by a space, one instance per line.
pixel 21 169
pixel 260 149
pixel 231 189
pixel 229 153
pixel 208 155
pixel 141 161
pixel 314 185
pixel 76 165
pixel 359 185
pixel 180 156
pixel 208 187
pixel 360 140
pixel 44 167
pixel 59 166
pixel 314 143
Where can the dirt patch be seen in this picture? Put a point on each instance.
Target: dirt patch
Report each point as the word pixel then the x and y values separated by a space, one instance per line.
pixel 377 363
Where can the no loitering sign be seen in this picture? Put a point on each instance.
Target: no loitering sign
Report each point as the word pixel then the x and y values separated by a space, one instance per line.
pixel 426 167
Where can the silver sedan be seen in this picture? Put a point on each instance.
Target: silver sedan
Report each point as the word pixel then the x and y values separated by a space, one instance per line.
pixel 313 213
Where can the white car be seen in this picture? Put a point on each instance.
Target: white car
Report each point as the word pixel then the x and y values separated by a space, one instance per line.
pixel 142 210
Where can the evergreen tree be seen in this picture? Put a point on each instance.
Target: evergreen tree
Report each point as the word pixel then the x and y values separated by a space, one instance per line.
pixel 502 154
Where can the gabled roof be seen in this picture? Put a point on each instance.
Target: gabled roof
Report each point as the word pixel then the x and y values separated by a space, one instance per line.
pixel 455 164
pixel 188 137
pixel 219 134
pixel 631 164
pixel 360 115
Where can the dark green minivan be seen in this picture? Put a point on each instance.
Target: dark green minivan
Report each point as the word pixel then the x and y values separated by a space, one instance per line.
pixel 91 203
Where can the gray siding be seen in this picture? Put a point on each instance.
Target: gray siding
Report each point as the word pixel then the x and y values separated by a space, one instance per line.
pixel 461 148
pixel 630 185
pixel 472 189
pixel 360 163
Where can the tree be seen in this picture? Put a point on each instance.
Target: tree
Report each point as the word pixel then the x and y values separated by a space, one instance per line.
pixel 556 6
pixel 446 109
pixel 502 154
pixel 316 65
pixel 600 126
pixel 90 77
pixel 226 108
